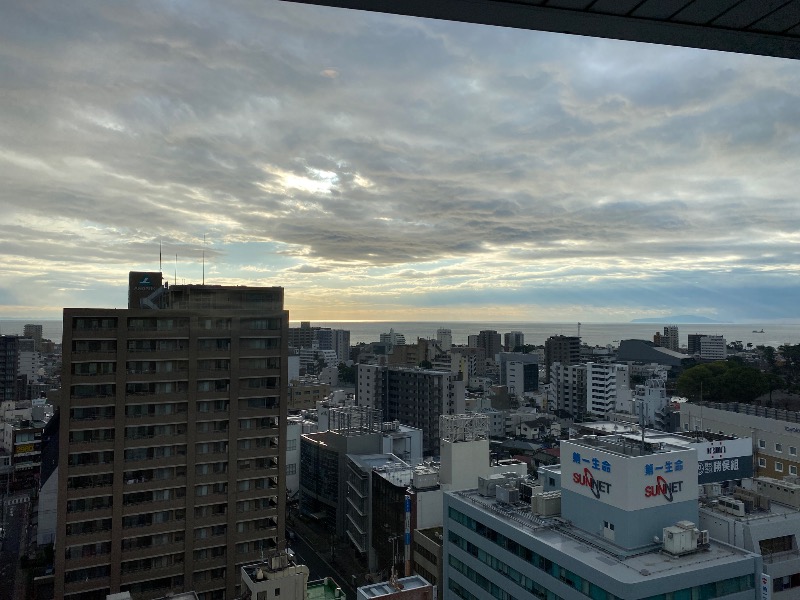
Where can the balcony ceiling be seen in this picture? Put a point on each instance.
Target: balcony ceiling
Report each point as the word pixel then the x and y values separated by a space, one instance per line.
pixel 762 27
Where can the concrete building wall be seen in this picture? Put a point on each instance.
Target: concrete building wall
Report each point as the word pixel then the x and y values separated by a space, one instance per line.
pixel 405 444
pixel 293 433
pixel 429 508
pixel 29 364
pixel 776 441
pixel 48 495
pixel 462 463
pixel 369 389
pixel 713 347
pixel 631 529
pixel 567 389
pixel 427 554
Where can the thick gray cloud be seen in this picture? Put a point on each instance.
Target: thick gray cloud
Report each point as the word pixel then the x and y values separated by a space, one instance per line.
pixel 396 165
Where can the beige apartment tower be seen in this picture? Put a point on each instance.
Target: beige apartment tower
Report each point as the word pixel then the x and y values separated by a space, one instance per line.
pixel 171 440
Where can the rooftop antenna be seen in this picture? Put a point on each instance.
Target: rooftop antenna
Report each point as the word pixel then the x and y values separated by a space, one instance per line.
pixel 175 281
pixel 159 255
pixel 579 329
pixel 204 259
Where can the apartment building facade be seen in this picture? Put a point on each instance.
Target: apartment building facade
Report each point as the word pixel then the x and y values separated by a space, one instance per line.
pixel 171 440
pixel 9 367
pixel 414 397
pixel 561 349
pixel 567 389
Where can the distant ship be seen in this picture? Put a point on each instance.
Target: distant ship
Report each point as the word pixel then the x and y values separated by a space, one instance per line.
pixel 754 331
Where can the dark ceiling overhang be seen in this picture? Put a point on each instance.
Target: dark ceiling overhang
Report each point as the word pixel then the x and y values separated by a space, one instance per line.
pixel 762 27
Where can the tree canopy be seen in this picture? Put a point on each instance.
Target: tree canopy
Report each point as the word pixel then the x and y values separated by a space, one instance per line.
pixel 725 381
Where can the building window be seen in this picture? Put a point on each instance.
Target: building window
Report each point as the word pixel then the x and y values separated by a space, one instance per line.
pixel 779 466
pixel 762 462
pixel 291 444
pixel 793 450
pixel 792 469
pixel 291 469
pixel 762 444
pixel 778 447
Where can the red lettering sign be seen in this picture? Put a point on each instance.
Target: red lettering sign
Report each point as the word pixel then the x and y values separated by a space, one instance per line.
pixel 587 479
pixel 663 488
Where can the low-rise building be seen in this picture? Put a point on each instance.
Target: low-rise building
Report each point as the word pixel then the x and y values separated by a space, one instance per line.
pixel 412 587
pixel 304 393
pixel 775 432
pixel 281 576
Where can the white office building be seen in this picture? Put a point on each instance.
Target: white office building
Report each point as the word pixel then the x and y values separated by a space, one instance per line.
pixel 713 347
pixel 445 338
pixel 606 386
pixel 612 522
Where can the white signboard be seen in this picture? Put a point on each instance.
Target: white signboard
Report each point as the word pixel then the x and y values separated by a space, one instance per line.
pixel 724 460
pixel 629 482
pixel 765 587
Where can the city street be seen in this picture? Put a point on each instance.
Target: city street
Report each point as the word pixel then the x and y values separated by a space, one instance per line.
pixel 319 566
pixel 15 509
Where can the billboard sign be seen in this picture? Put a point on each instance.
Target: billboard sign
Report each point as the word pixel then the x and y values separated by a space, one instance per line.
pixel 724 460
pixel 765 587
pixel 626 481
pixel 141 285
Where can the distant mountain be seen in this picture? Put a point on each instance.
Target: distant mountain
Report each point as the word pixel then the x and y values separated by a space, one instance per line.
pixel 677 320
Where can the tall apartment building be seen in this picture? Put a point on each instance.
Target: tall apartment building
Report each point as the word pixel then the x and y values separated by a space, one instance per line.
pixel 301 337
pixel 321 338
pixel 445 338
pixel 605 385
pixel 489 340
pixel 33 331
pixel 414 397
pixel 567 389
pixel 171 440
pixel 9 366
pixel 513 340
pixel 694 343
pixel 561 349
pixel 393 338
pixel 522 377
pixel 670 339
pixel 341 344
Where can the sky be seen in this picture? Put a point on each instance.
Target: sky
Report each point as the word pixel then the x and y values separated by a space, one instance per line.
pixel 391 168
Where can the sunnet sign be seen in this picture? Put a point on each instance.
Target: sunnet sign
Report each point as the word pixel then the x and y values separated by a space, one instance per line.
pixel 629 482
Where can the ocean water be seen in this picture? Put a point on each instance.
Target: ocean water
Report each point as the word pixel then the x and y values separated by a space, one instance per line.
pixel 594 334
pixel 51 329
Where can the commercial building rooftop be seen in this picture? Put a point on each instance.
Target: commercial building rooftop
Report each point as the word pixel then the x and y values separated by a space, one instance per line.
pixel 386 588
pixel 324 589
pixel 600 554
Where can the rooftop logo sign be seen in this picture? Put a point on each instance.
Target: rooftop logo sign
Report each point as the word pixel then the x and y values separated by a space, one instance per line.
pixel 663 488
pixel 596 486
pixel 604 473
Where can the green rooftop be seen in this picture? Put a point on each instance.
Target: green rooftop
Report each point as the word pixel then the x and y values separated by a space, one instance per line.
pixel 324 589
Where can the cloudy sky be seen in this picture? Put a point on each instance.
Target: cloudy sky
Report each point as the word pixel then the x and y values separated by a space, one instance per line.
pixel 391 168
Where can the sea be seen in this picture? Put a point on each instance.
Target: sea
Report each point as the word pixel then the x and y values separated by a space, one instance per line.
pixel 595 334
